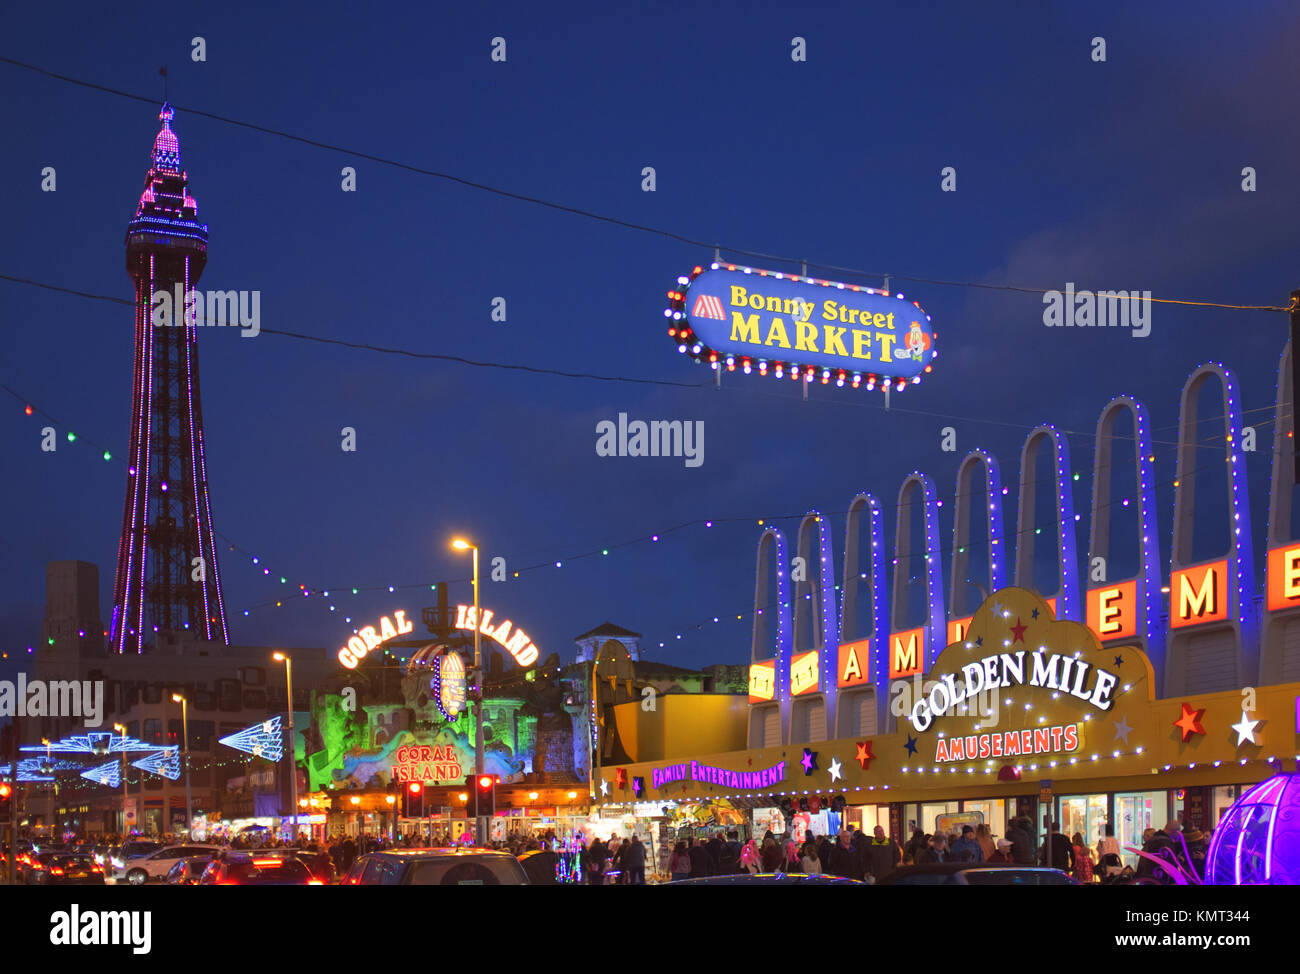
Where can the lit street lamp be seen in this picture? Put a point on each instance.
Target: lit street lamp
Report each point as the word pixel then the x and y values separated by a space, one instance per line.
pixel 293 761
pixel 480 822
pixel 122 728
pixel 185 733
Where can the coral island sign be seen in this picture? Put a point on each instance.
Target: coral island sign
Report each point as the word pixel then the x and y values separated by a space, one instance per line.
pixel 422 762
pixel 729 315
pixel 367 638
pixel 517 644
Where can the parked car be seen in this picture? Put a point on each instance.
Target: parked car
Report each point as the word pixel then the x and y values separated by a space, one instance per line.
pixel 437 867
pixel 64 869
pixel 156 865
pixel 186 872
pixel 975 874
pixel 258 869
pixel 768 879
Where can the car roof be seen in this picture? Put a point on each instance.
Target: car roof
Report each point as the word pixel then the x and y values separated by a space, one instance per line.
pixel 949 868
pixel 413 855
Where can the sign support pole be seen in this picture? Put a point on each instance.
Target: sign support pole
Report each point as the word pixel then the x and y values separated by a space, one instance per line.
pixel 886 377
pixel 1295 373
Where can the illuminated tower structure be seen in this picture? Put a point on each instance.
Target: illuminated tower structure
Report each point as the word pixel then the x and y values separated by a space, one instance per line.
pixel 167 575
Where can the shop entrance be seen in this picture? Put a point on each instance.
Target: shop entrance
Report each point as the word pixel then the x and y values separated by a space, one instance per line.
pixel 1086 815
pixel 1134 813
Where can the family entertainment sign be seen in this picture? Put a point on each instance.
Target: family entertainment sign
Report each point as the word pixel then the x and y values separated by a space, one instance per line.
pixel 694 771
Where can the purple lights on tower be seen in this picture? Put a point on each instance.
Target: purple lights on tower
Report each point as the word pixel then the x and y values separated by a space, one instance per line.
pixel 167 575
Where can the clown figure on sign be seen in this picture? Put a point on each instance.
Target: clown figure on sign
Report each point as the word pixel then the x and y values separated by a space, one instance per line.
pixel 917 341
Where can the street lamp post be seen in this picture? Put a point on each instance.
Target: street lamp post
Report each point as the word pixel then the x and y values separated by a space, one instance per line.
pixel 185 733
pixel 480 821
pixel 122 728
pixel 293 762
pixel 49 763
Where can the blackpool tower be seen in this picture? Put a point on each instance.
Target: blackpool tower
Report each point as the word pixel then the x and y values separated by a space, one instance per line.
pixel 167 576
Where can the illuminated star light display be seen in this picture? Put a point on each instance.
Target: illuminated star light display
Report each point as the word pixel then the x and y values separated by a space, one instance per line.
pixel 264 740
pixel 106 774
pixel 166 762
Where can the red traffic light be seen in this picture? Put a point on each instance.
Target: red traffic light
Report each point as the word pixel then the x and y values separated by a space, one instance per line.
pixel 414 787
pixel 6 789
pixel 485 781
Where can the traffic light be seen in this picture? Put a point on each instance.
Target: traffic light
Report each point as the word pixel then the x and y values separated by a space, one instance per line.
pixel 482 790
pixel 414 800
pixel 6 801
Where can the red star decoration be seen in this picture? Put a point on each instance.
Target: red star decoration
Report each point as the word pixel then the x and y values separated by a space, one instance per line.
pixel 1190 722
pixel 620 778
pixel 1018 631
pixel 864 755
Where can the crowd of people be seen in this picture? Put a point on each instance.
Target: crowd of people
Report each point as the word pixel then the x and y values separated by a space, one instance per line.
pixel 851 854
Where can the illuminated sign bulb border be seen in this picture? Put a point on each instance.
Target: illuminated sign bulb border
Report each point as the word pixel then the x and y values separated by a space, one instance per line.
pixel 688 343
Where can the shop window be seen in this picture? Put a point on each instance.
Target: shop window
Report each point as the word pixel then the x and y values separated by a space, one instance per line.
pixel 204 700
pixel 201 735
pixel 152 731
pixel 228 696
pixel 254 699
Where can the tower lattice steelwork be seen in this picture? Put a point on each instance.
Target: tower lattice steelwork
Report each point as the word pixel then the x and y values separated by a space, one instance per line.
pixel 167 573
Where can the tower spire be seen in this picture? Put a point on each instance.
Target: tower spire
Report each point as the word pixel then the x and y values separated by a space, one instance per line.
pixel 168 579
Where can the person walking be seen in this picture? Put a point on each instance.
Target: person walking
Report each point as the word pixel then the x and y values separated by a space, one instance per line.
pixel 771 855
pixel 937 851
pixel 634 862
pixel 1022 843
pixel 714 849
pixel 966 849
pixel 679 866
pixel 810 862
pixel 1003 853
pixel 844 860
pixel 751 857
pixel 1109 860
pixel 1057 852
pixel 1082 859
pixel 984 836
pixel 883 854
pixel 594 866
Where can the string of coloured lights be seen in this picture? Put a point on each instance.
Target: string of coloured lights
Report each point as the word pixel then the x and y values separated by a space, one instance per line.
pixel 410 353
pixel 575 211
pixel 1235 426
pixel 306 590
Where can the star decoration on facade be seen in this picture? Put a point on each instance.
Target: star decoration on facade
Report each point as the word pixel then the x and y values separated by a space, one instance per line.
pixel 1018 631
pixel 1119 660
pixel 911 745
pixel 1122 729
pixel 997 609
pixel 620 778
pixel 835 770
pixel 638 787
pixel 1245 730
pixel 1190 722
pixel 1034 614
pixel 604 786
pixel 864 755
pixel 809 761
pixel 979 640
